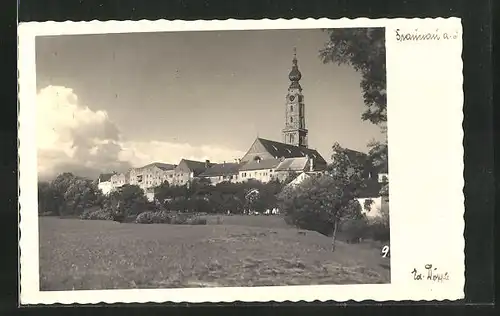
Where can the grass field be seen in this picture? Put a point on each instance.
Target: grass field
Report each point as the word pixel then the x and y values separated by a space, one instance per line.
pixel 243 251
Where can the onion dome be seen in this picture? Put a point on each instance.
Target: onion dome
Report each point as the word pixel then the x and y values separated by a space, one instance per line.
pixel 295 74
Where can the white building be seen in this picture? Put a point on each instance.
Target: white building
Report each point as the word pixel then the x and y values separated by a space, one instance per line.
pixel 104 183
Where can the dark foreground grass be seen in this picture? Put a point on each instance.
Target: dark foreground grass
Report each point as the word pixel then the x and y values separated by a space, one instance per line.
pixel 91 255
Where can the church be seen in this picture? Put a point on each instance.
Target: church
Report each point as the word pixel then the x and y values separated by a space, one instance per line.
pixel 294 134
pixel 264 161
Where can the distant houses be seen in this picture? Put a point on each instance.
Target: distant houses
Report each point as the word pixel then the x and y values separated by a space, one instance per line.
pixel 187 170
pixel 265 161
pixel 151 175
pixel 222 172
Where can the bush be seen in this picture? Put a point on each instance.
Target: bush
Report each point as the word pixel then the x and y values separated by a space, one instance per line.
pixel 164 217
pixel 100 214
pixel 379 228
pixel 151 217
pixel 311 221
pixel 354 230
pixel 376 229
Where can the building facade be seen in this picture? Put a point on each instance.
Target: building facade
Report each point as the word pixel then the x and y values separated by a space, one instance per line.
pixel 151 175
pixel 120 179
pixel 187 170
pixel 262 170
pixel 222 172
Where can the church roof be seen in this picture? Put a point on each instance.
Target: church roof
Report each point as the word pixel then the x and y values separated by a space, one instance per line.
pixel 260 164
pixel 292 164
pixel 278 150
pixel 221 169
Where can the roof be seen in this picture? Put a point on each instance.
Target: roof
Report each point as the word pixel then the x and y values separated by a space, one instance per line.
pixel 277 149
pixel 161 165
pixel 221 169
pixel 356 156
pixel 103 177
pixel 164 166
pixel 296 164
pixel 197 167
pixel 260 164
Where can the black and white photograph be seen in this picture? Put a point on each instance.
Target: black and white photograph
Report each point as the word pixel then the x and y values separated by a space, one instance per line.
pixel 218 158
pixel 230 158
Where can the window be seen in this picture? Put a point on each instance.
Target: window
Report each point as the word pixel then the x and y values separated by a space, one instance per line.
pixel 291 119
pixel 291 108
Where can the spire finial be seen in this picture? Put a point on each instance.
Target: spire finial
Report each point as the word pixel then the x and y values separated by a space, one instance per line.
pixel 295 74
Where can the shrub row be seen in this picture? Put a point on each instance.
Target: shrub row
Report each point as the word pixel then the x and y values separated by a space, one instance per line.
pixel 99 214
pixel 164 217
pixel 359 229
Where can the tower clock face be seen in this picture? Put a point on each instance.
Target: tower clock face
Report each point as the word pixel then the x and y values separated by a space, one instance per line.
pixel 292 97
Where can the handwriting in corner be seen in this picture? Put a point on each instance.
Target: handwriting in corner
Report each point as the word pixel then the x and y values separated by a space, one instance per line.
pixel 416 35
pixel 432 274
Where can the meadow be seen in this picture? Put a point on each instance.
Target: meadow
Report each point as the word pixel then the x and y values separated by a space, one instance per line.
pixel 235 251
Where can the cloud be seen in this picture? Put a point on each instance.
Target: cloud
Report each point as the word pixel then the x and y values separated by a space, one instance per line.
pixel 73 138
pixel 141 153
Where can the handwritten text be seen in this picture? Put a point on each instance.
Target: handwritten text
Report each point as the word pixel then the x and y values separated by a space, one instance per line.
pixel 417 35
pixel 430 274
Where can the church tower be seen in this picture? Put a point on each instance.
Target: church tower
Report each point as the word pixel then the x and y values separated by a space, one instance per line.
pixel 295 132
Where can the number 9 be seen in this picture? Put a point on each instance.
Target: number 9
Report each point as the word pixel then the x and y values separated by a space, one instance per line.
pixel 385 251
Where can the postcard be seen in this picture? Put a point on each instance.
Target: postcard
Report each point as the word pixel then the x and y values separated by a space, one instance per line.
pixel 241 160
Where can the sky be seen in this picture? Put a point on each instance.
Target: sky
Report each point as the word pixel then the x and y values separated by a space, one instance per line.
pixel 109 102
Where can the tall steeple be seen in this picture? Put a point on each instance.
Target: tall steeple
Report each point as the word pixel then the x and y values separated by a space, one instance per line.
pixel 295 132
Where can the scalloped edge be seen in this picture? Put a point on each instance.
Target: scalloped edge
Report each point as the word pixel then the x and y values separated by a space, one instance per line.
pixel 43 28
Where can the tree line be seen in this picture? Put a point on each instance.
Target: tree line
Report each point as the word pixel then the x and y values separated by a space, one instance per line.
pixel 71 195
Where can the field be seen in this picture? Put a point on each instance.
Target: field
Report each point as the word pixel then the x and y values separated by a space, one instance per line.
pixel 242 251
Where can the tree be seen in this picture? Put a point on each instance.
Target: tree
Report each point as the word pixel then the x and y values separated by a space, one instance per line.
pixel 47 199
pixel 162 192
pixel 322 203
pixel 81 194
pixel 318 204
pixel 129 200
pixel 71 194
pixel 364 50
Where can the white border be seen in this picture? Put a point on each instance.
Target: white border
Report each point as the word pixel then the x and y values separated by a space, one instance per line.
pixel 425 98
